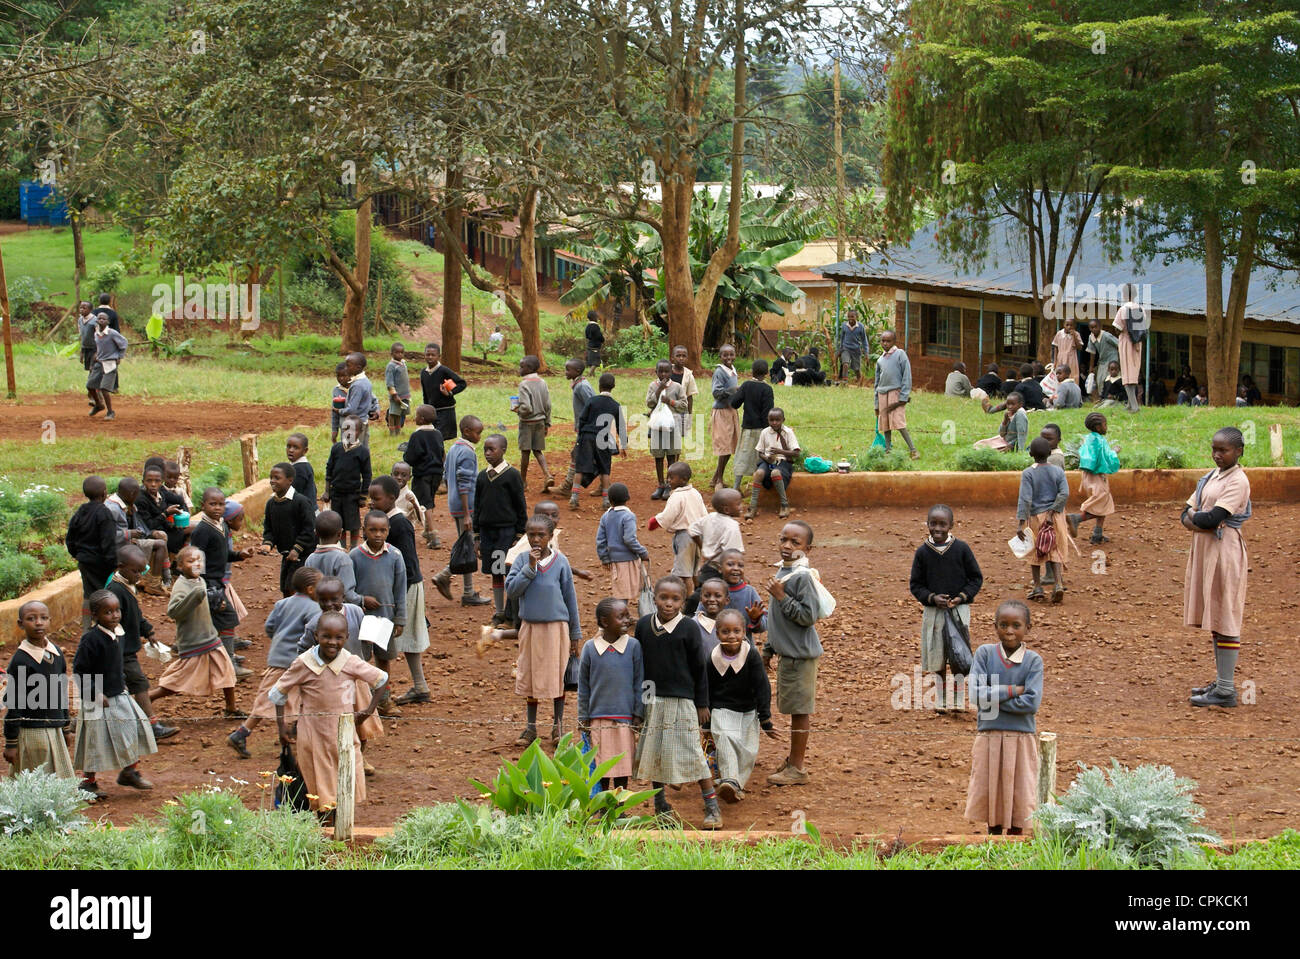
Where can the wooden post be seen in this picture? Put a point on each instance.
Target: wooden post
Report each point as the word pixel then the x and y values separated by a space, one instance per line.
pixel 279 297
pixel 183 457
pixel 346 798
pixel 5 321
pixel 248 453
pixel 1046 768
pixel 1275 444
pixel 379 303
pixel 473 327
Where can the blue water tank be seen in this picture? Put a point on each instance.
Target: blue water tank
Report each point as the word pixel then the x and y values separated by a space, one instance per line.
pixel 40 205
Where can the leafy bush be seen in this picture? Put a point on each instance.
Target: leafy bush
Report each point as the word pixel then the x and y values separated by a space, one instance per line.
pixel 213 827
pixel 218 475
pixel 568 340
pixel 314 294
pixel 108 277
pixel 1143 816
pixel 539 783
pixel 990 461
pixel 18 571
pixel 35 800
pixel 451 829
pixel 46 509
pixel 23 292
pixel 878 461
pixel 56 559
pixel 632 348
pixel 1170 458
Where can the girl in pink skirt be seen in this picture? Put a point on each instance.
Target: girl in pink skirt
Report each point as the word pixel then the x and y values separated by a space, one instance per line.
pixel 202 666
pixel 610 674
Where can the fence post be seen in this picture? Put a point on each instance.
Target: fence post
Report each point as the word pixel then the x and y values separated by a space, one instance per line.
pixel 1046 768
pixel 1275 444
pixel 248 453
pixel 345 807
pixel 183 457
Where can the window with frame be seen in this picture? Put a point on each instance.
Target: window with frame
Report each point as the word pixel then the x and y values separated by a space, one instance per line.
pixel 1266 365
pixel 942 330
pixel 1018 335
pixel 1173 352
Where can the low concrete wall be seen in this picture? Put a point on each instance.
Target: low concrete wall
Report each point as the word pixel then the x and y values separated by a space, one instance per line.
pixel 63 595
pixel 914 488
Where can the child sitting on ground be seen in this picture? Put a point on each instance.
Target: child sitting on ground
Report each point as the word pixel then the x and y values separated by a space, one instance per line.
pixel 112 730
pixel 1112 387
pixel 36 729
pixel 288 525
pixel 159 511
pixel 1014 431
pixel 665 444
pixel 284 626
pixel 618 548
pixel 718 531
pixel 610 674
pixel 740 703
pixel 132 529
pixel 777 450
pixel 685 505
pixel 398 383
pixel 330 559
pixel 304 477
pixel 201 667
pixel 425 455
pixel 500 514
pixel 1043 495
pixel 945 578
pixel 1097 460
pixel 347 477
pixel 1006 685
pixel 601 433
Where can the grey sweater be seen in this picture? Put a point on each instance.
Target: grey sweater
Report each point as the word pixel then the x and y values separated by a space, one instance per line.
pixel 616 540
pixel 894 372
pixel 354 615
pixel 188 607
pixel 534 401
pixel 1042 488
pixel 609 683
pixel 384 578
pixel 791 620
pixel 333 562
pixel 285 625
pixel 991 676
pixel 545 595
pixel 725 383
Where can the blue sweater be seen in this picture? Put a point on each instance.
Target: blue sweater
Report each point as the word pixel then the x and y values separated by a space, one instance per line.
pixel 354 616
pixel 110 346
pixel 991 677
pixel 894 372
pixel 285 626
pixel 384 578
pixel 1042 488
pixel 333 562
pixel 853 337
pixel 460 467
pixel 609 684
pixel 361 399
pixel 545 595
pixel 616 540
pixel 742 597
pixel 725 383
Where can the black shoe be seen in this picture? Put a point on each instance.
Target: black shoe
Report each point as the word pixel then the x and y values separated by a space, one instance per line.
pixel 1215 698
pixel 239 744
pixel 239 660
pixel 132 778
pixel 91 787
pixel 243 643
pixel 658 493
pixel 474 599
pixel 163 731
pixel 412 696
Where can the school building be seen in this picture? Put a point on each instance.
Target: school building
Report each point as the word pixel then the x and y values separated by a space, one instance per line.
pixel 985 314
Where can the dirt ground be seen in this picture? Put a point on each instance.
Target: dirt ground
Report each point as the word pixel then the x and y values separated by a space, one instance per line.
pixel 1119 664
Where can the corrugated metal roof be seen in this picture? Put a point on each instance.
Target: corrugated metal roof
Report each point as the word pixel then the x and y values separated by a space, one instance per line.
pixel 1175 287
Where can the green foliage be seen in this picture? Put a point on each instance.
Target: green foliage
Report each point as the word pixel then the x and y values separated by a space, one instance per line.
pixel 1143 816
pixel 18 571
pixel 540 784
pixel 990 461
pixel 107 278
pixel 876 460
pixel 56 560
pixel 312 291
pixel 10 207
pixel 632 348
pixel 218 475
pixel 567 339
pixel 23 292
pixel 213 828
pixel 1161 458
pixel 35 800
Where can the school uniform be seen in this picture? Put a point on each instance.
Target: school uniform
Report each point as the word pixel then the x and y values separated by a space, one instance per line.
pixel 500 514
pixel 201 667
pixel 1003 789
pixel 945 569
pixel 689 388
pixel 426 455
pixel 893 385
pixel 1112 390
pixel 548 613
pixel 774 456
pixel 609 699
pixel 382 575
pixel 1214 588
pixel 1033 394
pixel 135 630
pixel 153 512
pixel 595 339
pixel 853 344
pixel 666 442
pixel 110 347
pixel 213 540
pixel 740 704
pixel 92 541
pixel 360 403
pixel 338 400
pixel 599 427
pixel 1130 353
pixel 957 384
pixel 347 480
pixel 415 636
pixel 724 423
pixel 372 727
pixel 1096 461
pixel 1043 494
pixel 37 717
pixel 682 508
pixel 304 481
pixel 990 383
pixel 1013 434
pixel 1065 354
pixel 286 627
pixel 333 562
pixel 718 533
pixel 756 399
pixel 792 637
pixel 669 749
pixel 410 507
pixel 397 379
pixel 113 736
pixel 289 523
pixel 86 336
pixel 618 547
pixel 708 627
pixel 534 412
pixel 326 691
pixel 444 403
pixel 741 597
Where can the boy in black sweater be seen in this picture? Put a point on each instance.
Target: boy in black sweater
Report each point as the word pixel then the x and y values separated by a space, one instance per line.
pixel 440 384
pixel 289 525
pixel 347 477
pixel 755 396
pixel 304 476
pixel 92 542
pixel 414 638
pixel 425 454
pixel 37 733
pixel 500 514
pixel 945 577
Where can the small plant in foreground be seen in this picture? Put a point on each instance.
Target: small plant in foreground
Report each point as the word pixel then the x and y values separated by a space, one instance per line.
pixel 35 800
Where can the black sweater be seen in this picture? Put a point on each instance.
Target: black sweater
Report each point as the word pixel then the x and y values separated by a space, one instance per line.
pixel 134 626
pixel 98 660
pixel 990 383
pixel 347 472
pixel 431 386
pixel 953 572
pixel 37 695
pixel 304 481
pixel 401 536
pixel 217 554
pixel 674 661
pixel 425 452
pixel 92 537
pixel 756 396
pixel 743 692
pixel 290 522
pixel 500 501
pixel 154 513
pixel 1033 394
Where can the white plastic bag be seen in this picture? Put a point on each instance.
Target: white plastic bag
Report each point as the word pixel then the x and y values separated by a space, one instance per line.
pixel 1089 383
pixel 158 651
pixel 1021 547
pixel 825 601
pixel 661 417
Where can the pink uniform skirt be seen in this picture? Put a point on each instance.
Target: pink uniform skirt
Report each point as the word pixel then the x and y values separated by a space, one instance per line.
pixel 543 654
pixel 200 675
pixel 610 738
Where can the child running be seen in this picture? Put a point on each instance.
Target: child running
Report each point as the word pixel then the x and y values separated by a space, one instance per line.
pixel 201 667
pixel 533 407
pixel 101 384
pixel 777 450
pixel 618 548
pixel 601 434
pixel 325 679
pixel 610 673
pixel 398 383
pixel 425 455
pixel 289 524
pixel 500 515
pixel 669 750
pixel 550 630
pixel 740 703
pixel 1006 684
pixel 945 578
pixel 462 474
pixel 112 730
pixel 347 477
pixel 685 505
pixel 1097 460
pixel 36 726
pixel 1043 494
pixel 1214 589
pixel 724 425
pixel 665 444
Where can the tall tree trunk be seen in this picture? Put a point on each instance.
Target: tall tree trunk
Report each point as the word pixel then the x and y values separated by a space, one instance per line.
pixel 451 274
pixel 355 291
pixel 530 326
pixel 78 252
pixel 1220 377
pixel 679 286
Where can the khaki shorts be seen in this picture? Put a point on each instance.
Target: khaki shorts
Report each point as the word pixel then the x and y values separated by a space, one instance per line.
pixel 532 436
pixel 685 554
pixel 796 686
